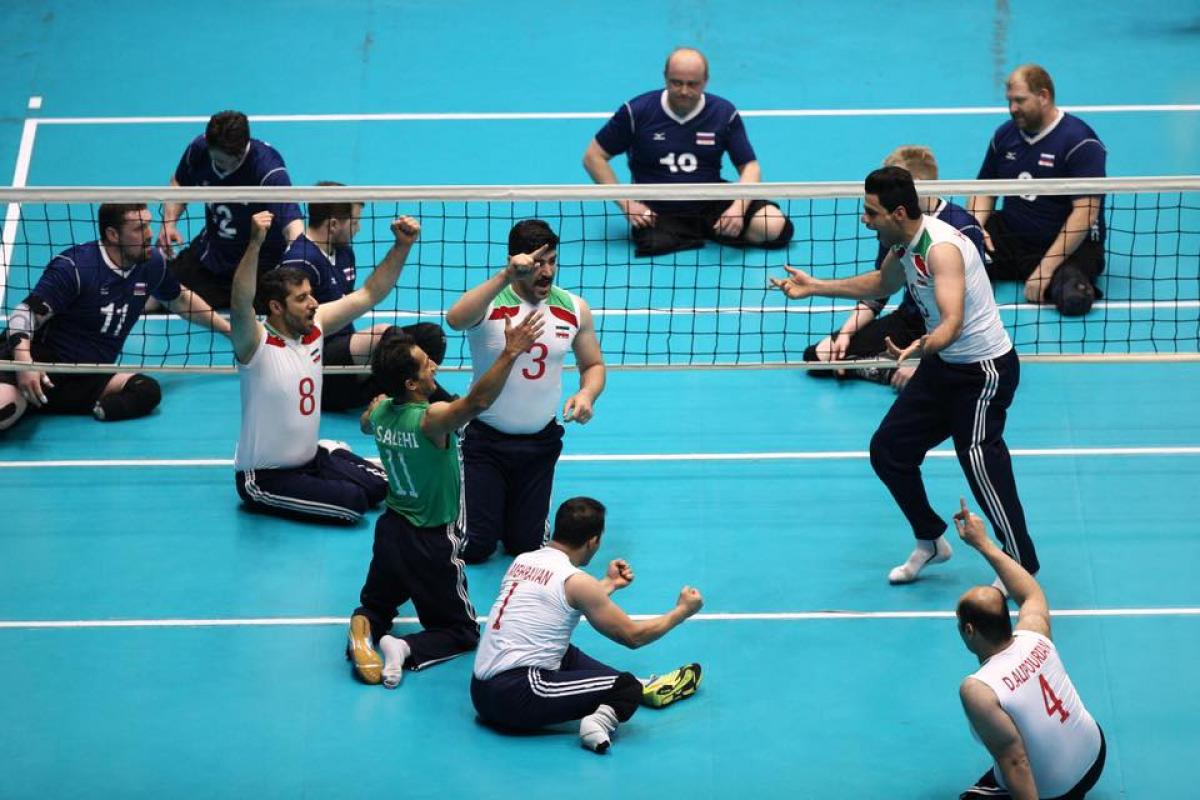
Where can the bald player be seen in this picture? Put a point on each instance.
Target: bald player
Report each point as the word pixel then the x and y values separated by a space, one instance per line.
pixel 1020 703
pixel 678 135
pixel 510 450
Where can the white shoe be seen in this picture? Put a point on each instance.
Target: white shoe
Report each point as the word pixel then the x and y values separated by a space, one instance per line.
pixel 333 444
pixel 595 730
pixel 923 555
pixel 395 653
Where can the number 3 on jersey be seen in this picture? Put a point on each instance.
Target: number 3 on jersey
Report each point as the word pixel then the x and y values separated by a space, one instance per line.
pixel 1051 701
pixel 539 352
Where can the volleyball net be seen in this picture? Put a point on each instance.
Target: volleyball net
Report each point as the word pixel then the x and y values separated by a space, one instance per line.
pixel 708 307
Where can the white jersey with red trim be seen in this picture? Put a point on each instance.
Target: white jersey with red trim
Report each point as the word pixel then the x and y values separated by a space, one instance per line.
pixel 531 623
pixel 1061 739
pixel 532 392
pixel 982 335
pixel 281 402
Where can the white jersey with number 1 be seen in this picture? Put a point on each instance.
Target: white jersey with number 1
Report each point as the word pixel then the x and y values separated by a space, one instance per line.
pixel 1061 739
pixel 281 402
pixel 531 622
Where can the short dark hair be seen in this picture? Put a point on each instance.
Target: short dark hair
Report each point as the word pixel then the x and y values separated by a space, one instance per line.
pixel 320 213
pixel 112 215
pixel 894 188
pixel 530 234
pixel 990 620
pixel 578 520
pixel 276 284
pixel 1036 78
pixel 393 362
pixel 228 131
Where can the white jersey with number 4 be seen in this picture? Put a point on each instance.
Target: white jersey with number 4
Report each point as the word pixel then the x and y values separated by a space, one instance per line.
pixel 531 623
pixel 983 335
pixel 281 402
pixel 1061 739
pixel 530 396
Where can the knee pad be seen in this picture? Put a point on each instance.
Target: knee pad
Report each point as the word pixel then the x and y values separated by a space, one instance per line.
pixel 782 239
pixel 657 242
pixel 140 395
pixel 1071 291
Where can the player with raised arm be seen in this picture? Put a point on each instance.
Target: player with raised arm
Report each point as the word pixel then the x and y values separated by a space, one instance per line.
pixel 520 434
pixel 1020 703
pixel 280 467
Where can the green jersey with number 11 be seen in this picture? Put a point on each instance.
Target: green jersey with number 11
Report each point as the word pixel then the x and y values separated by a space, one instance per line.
pixel 424 480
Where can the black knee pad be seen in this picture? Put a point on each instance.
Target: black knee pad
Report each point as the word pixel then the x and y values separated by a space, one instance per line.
pixel 784 237
pixel 626 696
pixel 1071 291
pixel 810 355
pixel 430 337
pixel 140 395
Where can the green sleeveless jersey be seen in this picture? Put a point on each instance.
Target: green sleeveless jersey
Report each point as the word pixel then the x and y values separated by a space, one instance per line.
pixel 424 481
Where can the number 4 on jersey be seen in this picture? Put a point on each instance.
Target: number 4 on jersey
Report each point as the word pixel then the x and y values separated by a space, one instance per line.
pixel 1051 701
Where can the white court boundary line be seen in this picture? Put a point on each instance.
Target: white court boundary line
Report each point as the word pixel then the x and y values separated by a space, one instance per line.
pixel 826 455
pixel 582 115
pixel 780 616
pixel 12 217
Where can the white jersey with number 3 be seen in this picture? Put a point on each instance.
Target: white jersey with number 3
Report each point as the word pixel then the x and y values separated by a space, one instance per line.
pixel 1061 739
pixel 530 396
pixel 531 622
pixel 281 402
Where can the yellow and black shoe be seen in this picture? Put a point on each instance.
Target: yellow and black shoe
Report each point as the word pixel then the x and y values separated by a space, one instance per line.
pixel 360 649
pixel 675 685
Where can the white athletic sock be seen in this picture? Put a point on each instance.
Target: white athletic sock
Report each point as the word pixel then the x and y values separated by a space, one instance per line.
pixel 333 444
pixel 924 554
pixel 595 730
pixel 395 653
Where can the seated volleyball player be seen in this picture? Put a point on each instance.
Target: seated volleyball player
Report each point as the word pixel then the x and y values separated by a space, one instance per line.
pixel 678 135
pixel 528 674
pixel 1020 703
pixel 226 156
pixel 324 253
pixel 865 330
pixel 281 468
pixel 81 311
pixel 417 537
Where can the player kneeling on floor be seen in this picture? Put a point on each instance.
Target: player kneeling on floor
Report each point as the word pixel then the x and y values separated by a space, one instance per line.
pixel 528 674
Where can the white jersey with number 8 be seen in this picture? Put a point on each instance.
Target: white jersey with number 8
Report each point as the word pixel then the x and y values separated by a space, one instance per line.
pixel 281 402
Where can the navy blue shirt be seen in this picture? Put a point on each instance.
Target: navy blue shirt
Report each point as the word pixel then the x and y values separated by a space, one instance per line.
pixel 951 214
pixel 227 225
pixel 665 148
pixel 95 304
pixel 330 280
pixel 1067 149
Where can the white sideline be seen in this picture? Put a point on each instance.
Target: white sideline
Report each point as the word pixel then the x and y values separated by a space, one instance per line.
pixel 12 217
pixel 780 616
pixel 582 115
pixel 825 455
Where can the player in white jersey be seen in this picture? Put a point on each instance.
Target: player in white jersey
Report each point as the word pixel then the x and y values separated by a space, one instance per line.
pixel 280 466
pixel 1020 703
pixel 965 381
pixel 520 434
pixel 528 674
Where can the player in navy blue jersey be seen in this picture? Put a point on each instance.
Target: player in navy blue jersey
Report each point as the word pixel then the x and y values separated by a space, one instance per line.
pixel 226 156
pixel 865 330
pixel 324 253
pixel 679 135
pixel 1055 243
pixel 81 311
